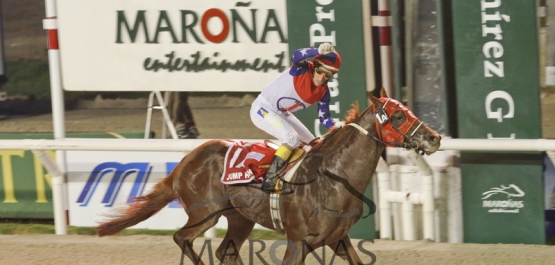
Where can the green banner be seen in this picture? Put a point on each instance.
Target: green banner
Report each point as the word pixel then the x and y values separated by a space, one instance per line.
pixel 311 23
pixel 497 69
pixel 497 84
pixel 339 23
pixel 503 198
pixel 25 185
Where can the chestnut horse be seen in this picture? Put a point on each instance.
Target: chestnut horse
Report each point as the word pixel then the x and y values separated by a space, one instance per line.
pixel 328 188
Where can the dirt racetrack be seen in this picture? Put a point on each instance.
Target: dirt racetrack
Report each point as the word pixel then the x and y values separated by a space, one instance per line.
pixel 74 250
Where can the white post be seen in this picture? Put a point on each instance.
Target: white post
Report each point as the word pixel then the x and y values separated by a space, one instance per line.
pixel 386 51
pixel 165 113
pixel 58 186
pixel 395 207
pixel 368 45
pixel 428 206
pixel 407 218
pixel 59 195
pixel 441 211
pixel 149 108
pixel 428 202
pixel 384 204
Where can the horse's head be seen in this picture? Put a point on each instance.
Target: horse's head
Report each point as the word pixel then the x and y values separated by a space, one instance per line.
pixel 397 126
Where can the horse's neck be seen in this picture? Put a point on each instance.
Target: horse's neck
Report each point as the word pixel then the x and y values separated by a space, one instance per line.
pixel 366 147
pixel 354 156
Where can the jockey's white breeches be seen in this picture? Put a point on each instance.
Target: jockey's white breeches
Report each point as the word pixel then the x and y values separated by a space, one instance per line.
pixel 281 124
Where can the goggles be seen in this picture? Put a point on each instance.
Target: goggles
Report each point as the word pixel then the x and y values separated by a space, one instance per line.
pixel 326 73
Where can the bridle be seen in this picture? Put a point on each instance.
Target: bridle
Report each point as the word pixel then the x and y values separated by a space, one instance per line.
pixel 388 133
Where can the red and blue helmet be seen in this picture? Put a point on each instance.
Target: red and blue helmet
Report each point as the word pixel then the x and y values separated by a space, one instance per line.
pixel 330 61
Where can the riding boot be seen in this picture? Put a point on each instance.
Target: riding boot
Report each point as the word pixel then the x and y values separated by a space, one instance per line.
pixel 271 182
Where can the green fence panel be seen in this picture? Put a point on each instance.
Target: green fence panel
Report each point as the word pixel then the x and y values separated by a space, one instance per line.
pixel 503 198
pixel 497 81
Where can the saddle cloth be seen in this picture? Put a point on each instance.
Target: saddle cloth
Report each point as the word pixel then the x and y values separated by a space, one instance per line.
pixel 248 162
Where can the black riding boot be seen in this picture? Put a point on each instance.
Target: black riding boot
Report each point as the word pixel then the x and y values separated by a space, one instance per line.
pixel 271 182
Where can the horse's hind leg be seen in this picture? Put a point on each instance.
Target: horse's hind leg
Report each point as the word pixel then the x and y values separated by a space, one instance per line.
pixel 344 249
pixel 185 236
pixel 238 230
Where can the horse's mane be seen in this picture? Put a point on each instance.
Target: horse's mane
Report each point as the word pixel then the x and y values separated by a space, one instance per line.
pixel 352 115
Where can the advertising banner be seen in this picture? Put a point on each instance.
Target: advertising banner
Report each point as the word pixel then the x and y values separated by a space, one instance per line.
pixel 497 81
pixel 185 45
pixel 503 198
pixel 101 182
pixel 312 23
pixel 25 185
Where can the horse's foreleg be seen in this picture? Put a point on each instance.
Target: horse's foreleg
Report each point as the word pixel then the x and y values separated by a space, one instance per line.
pixel 344 249
pixel 294 254
pixel 238 230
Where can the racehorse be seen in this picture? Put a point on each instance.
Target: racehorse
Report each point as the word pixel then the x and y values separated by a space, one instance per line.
pixel 327 187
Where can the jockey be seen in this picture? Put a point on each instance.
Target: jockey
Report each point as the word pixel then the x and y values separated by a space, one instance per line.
pixel 300 86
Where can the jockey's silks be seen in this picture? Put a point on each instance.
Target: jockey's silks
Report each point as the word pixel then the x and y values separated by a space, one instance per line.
pixel 294 90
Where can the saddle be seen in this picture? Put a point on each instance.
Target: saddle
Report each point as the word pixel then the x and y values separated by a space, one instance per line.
pixel 249 162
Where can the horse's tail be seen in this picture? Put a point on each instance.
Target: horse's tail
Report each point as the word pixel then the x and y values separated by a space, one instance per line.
pixel 141 209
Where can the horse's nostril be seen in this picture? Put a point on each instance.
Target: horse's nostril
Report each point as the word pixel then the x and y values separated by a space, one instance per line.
pixel 434 138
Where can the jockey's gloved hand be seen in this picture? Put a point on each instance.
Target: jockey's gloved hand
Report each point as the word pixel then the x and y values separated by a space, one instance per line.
pixel 325 48
pixel 339 124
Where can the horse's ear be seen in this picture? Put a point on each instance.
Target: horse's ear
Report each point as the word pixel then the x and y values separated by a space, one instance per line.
pixel 375 101
pixel 383 93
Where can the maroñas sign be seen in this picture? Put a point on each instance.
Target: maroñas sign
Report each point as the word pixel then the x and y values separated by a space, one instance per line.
pixel 142 45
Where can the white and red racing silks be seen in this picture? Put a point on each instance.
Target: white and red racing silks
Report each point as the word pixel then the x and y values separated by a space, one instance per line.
pixel 294 90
